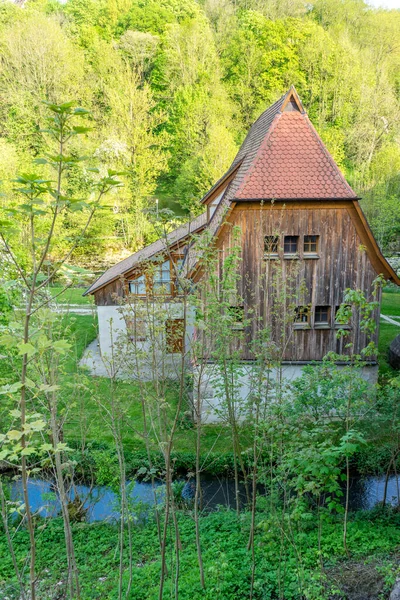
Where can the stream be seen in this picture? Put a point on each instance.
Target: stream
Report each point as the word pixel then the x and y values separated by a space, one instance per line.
pixel 101 503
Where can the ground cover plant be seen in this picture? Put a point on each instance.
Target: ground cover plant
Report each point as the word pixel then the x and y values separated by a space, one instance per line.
pixel 310 558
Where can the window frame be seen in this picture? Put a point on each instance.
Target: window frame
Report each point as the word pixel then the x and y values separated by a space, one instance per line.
pixel 154 280
pixel 165 285
pixel 176 345
pixel 238 312
pixel 302 309
pixel 275 244
pixel 132 329
pixel 131 282
pixel 341 325
pixel 291 253
pixel 311 253
pixel 326 324
pixel 177 263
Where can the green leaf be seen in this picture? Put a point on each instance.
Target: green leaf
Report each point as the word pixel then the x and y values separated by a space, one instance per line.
pixel 81 111
pixel 61 346
pixel 62 447
pixel 7 340
pixel 28 451
pixel 46 447
pixel 4 453
pixel 27 349
pixel 11 388
pixel 38 425
pixel 14 435
pixel 79 130
pixel 49 388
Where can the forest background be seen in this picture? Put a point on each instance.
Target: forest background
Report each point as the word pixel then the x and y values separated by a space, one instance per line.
pixel 174 85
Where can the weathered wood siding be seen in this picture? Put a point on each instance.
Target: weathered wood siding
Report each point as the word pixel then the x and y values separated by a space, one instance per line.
pixel 106 296
pixel 342 263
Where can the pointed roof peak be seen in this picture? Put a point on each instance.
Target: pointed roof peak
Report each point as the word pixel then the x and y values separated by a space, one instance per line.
pixel 292 101
pixel 285 158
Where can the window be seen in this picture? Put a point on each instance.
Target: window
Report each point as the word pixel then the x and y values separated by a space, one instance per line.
pixel 346 310
pixel 237 315
pixel 290 245
pixel 138 286
pixel 311 244
pixel 136 329
pixel 174 334
pixel 322 315
pixel 162 278
pixel 301 317
pixel 271 244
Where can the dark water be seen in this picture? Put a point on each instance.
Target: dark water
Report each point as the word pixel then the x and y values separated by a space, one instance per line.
pixel 101 503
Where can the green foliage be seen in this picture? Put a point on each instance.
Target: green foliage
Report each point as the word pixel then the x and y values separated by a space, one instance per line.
pixel 174 86
pixel 372 537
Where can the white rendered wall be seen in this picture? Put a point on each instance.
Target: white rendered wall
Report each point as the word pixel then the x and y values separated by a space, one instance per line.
pixel 117 353
pixel 208 381
pixel 112 330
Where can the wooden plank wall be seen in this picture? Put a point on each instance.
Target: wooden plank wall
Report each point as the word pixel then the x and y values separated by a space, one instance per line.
pixel 106 296
pixel 342 263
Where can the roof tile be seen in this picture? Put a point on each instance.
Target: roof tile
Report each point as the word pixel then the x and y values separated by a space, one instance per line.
pixel 292 163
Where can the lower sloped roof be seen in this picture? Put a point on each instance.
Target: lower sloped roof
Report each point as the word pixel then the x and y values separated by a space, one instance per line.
pixel 148 252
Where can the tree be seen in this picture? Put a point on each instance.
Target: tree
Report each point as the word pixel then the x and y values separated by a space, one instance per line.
pixel 31 337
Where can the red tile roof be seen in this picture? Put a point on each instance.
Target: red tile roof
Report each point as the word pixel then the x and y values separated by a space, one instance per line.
pixel 292 163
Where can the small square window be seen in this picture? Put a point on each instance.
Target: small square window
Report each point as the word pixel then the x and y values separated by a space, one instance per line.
pixel 174 331
pixel 311 244
pixel 271 244
pixel 302 315
pixel 291 244
pixel 322 315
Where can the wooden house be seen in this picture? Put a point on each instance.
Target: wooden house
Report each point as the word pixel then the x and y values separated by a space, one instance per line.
pixel 299 220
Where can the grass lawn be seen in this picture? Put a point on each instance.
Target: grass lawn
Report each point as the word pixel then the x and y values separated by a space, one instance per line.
pixel 71 295
pixel 85 421
pixel 387 332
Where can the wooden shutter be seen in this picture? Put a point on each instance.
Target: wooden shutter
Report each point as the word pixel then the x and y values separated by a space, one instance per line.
pixel 174 333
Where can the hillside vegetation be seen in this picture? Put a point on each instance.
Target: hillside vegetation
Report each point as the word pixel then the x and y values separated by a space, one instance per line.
pixel 174 85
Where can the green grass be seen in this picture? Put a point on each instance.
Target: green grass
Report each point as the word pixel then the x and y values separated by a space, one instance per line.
pixel 71 295
pixel 387 331
pixel 84 412
pixel 391 302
